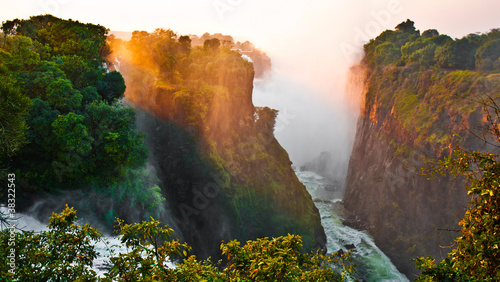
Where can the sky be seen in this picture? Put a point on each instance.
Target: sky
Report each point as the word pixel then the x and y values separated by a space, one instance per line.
pixel 299 35
pixel 311 43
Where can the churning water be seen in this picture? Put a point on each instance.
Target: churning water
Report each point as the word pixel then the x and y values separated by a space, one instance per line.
pixel 371 263
pixel 107 246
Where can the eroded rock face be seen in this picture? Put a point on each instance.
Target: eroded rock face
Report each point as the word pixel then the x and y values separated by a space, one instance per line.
pixel 222 172
pixel 209 204
pixel 410 116
pixel 406 213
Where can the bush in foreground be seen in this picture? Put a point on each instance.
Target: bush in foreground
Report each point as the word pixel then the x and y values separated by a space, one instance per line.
pixel 65 252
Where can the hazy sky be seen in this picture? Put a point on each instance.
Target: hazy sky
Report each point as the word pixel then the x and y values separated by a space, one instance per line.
pixel 266 21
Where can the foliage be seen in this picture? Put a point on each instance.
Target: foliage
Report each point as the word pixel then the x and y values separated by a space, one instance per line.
pixel 458 54
pixel 408 27
pixel 476 256
pixel 65 252
pixel 405 46
pixel 488 56
pixel 279 259
pixel 111 87
pixel 266 119
pixel 73 133
pixel 150 251
pixel 211 44
pixel 13 110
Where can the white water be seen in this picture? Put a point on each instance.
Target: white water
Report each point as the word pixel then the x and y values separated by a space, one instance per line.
pixel 106 247
pixel 371 263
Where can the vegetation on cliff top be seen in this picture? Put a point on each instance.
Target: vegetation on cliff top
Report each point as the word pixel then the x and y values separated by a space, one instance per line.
pixel 425 84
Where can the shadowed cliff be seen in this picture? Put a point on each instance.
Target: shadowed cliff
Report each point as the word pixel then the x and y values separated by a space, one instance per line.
pixel 222 172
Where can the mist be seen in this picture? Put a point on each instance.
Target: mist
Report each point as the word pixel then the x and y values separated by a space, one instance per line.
pixel 313 50
pixel 306 125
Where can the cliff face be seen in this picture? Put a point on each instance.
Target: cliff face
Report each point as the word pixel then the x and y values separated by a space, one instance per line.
pixel 411 115
pixel 401 209
pixel 222 172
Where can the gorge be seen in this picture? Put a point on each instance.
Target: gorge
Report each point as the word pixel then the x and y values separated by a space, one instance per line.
pixel 158 126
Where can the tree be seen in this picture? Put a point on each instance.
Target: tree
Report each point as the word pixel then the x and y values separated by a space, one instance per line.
pixel 280 259
pixel 59 65
pixel 13 110
pixel 62 253
pixel 111 87
pixel 488 56
pixel 75 68
pixel 430 33
pixel 211 44
pixel 458 54
pixel 22 53
pixel 407 27
pixel 152 248
pixel 62 96
pixel 386 54
pixel 185 42
pixel 265 120
pixel 477 255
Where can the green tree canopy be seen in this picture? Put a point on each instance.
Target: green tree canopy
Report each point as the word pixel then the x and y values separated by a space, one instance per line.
pixel 55 141
pixel 488 56
pixel 13 110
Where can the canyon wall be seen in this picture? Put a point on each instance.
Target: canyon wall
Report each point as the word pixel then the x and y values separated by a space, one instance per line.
pixel 412 117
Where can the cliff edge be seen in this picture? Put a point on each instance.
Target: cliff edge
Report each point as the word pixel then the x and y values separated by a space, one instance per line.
pixel 222 172
pixel 421 99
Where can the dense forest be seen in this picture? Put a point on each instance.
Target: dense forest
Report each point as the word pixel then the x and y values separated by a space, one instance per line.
pixel 63 126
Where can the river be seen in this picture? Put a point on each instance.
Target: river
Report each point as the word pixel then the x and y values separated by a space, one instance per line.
pixel 371 263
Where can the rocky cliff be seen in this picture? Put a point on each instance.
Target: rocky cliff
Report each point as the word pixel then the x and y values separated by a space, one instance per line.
pixel 414 111
pixel 222 172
